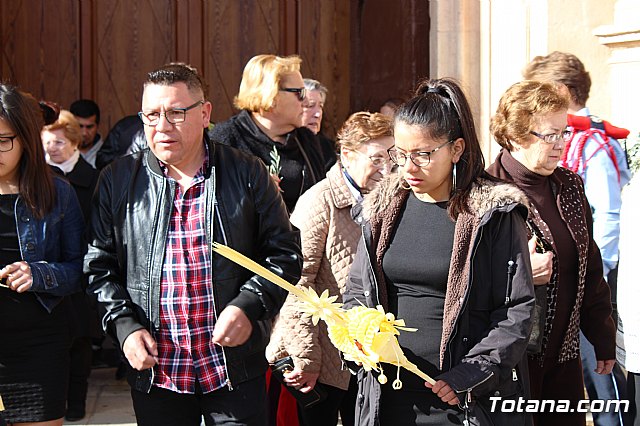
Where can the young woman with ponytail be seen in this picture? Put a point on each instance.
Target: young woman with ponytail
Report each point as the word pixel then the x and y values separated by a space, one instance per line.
pixel 445 249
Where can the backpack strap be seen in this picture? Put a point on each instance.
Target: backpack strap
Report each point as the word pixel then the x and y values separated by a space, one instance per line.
pixel 579 163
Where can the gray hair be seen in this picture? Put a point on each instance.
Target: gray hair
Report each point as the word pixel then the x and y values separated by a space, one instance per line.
pixel 311 84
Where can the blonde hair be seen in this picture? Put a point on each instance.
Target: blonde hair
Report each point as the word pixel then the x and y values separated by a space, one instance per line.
pixel 361 127
pixel 68 123
pixel 261 81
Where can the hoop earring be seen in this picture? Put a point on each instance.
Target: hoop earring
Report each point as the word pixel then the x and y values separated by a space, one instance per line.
pixel 455 171
pixel 402 182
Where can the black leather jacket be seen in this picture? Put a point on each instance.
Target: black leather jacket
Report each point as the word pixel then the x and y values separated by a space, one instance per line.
pixel 130 219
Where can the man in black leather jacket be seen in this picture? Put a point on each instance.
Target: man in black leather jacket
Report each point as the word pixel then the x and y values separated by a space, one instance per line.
pixel 192 324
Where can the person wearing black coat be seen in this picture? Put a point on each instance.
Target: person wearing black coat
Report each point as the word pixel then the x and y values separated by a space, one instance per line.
pixel 444 248
pixel 270 125
pixel 192 325
pixel 61 140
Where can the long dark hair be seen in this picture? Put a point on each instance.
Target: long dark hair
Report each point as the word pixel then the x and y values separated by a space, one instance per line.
pixel 441 109
pixel 25 116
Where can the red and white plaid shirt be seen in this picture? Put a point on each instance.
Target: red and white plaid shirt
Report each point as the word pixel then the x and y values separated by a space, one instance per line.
pixel 187 316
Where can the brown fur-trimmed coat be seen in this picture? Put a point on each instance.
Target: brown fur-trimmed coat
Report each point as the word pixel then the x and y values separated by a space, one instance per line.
pixel 484 334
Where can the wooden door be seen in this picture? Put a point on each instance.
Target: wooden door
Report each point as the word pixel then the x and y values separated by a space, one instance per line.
pixel 364 51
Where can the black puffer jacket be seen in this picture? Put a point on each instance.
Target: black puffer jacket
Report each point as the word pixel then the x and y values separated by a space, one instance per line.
pixel 488 307
pixel 130 219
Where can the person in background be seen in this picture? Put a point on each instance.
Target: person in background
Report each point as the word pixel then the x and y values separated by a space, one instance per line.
pixel 125 137
pixel 192 325
pixel 61 140
pixel 269 125
pixel 329 241
pixel 87 112
pixel 390 106
pixel 629 295
pixel 601 163
pixel 445 249
pixel 312 113
pixel 41 248
pixel 531 126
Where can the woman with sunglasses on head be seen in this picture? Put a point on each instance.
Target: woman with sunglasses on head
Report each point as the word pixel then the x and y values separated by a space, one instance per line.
pixel 270 125
pixel 530 125
pixel 41 249
pixel 445 249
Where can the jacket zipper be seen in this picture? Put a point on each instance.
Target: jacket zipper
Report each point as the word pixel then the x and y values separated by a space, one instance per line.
pixel 468 398
pixel 224 238
pixel 373 274
pixel 15 215
pixel 466 297
pixel 152 314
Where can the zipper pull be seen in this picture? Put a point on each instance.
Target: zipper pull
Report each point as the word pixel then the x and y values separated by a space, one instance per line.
pixel 514 375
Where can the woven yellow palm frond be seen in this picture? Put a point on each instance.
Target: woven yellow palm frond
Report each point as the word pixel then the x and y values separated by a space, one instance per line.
pixel 364 335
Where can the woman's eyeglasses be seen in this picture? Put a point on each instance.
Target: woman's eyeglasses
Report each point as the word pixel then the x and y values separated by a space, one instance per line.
pixel 420 158
pixel 301 92
pixel 6 143
pixel 553 138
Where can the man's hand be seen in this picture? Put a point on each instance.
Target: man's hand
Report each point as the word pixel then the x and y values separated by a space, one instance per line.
pixel 140 349
pixel 541 263
pixel 232 328
pixel 605 367
pixel 444 392
pixel 301 380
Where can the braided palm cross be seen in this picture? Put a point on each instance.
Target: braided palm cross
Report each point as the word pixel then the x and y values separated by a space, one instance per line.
pixel 364 335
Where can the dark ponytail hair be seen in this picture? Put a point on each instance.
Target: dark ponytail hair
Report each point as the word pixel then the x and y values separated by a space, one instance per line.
pixel 25 116
pixel 440 108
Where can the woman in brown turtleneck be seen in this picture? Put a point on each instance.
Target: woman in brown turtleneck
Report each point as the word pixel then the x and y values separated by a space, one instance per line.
pixel 530 124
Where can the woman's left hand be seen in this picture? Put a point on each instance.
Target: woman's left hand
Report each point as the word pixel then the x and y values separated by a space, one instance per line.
pixel 444 392
pixel 17 276
pixel 605 366
pixel 301 380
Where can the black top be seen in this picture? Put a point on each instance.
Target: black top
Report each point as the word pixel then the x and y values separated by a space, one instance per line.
pixel 83 178
pixel 417 268
pixel 9 244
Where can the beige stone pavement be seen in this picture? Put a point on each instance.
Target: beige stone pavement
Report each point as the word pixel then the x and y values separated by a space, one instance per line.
pixel 108 400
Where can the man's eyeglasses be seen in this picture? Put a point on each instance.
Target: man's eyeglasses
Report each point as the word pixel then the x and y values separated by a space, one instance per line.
pixel 6 143
pixel 420 158
pixel 553 138
pixel 173 116
pixel 301 92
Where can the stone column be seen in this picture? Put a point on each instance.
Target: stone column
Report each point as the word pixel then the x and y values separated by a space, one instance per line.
pixel 623 38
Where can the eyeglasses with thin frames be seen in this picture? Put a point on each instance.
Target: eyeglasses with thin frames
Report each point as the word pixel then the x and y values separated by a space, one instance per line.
pixel 378 161
pixel 6 143
pixel 173 116
pixel 553 138
pixel 301 92
pixel 420 158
